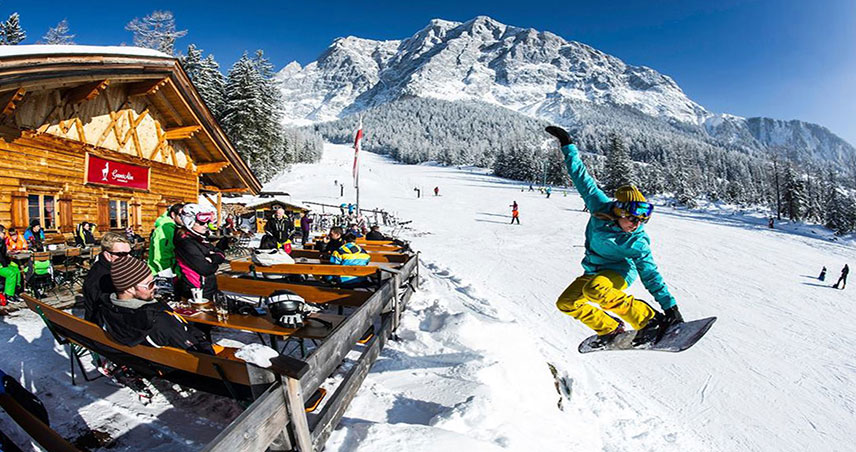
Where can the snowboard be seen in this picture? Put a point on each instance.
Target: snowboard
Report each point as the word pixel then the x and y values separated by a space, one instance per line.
pixel 677 338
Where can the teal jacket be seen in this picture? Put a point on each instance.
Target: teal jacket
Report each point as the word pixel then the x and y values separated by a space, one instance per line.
pixel 607 246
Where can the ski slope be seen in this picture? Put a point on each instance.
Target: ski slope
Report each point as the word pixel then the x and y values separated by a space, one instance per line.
pixel 471 372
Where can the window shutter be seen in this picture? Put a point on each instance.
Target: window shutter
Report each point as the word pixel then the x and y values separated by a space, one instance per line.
pixel 66 221
pixel 20 213
pixel 103 214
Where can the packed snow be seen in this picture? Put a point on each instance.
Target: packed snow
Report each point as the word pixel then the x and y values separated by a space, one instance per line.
pixel 58 49
pixel 485 362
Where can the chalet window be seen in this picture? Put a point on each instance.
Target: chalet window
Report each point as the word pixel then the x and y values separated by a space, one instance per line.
pixel 118 214
pixel 42 208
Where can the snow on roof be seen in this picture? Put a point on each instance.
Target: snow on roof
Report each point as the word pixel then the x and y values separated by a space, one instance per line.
pixel 259 201
pixel 38 49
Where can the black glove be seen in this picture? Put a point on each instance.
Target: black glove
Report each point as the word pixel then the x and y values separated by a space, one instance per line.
pixel 561 134
pixel 673 316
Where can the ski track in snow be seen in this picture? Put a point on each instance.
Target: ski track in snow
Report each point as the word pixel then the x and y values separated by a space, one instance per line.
pixel 471 370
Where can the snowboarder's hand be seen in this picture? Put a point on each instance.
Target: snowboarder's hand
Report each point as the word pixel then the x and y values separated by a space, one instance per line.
pixel 673 316
pixel 561 134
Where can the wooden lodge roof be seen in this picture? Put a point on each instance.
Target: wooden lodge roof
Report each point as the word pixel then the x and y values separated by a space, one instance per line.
pixel 144 82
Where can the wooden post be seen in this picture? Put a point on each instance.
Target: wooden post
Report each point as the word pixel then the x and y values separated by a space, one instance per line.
pixel 396 303
pixel 297 415
pixel 219 208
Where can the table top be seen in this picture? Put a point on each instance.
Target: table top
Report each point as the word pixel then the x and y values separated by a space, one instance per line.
pixel 265 325
pixel 243 266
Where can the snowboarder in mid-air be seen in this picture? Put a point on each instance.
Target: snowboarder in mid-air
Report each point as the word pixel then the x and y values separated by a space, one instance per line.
pixel 843 278
pixel 617 250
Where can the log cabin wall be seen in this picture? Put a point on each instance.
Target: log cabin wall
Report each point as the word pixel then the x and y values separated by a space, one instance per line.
pixel 43 148
pixel 34 165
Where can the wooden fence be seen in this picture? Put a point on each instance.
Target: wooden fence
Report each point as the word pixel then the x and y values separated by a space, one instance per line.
pixel 277 419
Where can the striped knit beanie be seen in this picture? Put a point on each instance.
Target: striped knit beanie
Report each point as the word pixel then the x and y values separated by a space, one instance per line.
pixel 127 272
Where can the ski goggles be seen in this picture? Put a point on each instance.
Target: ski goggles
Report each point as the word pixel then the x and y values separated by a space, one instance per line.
pixel 634 209
pixel 205 217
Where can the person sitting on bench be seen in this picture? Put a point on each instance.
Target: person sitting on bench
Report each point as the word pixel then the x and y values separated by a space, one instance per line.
pixel 134 317
pixel 98 286
pixel 83 237
pixel 350 254
pixel 375 234
pixel 332 242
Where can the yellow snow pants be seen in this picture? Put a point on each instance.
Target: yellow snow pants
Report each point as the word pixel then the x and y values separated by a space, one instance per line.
pixel 606 290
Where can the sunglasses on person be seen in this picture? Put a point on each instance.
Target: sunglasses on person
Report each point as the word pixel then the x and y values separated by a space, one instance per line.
pixel 634 210
pixel 118 253
pixel 148 285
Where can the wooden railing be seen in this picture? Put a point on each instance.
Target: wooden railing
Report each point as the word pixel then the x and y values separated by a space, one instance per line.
pixel 277 420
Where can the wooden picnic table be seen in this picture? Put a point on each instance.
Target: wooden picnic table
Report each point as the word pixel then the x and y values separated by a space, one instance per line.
pixel 265 324
pixel 368 248
pixel 377 256
pixel 315 267
pixel 312 294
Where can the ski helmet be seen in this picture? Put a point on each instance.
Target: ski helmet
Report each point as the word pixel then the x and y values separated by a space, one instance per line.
pixel 287 308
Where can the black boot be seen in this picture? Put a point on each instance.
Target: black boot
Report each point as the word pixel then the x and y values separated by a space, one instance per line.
pixel 651 331
pixel 604 340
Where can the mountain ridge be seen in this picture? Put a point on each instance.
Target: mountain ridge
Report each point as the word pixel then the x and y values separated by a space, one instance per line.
pixel 536 73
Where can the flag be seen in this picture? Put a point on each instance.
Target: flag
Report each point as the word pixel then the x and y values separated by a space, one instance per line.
pixel 357 138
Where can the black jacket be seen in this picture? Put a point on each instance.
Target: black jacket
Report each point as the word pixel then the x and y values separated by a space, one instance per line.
pixel 83 237
pixel 198 260
pixel 332 245
pixel 152 324
pixel 97 288
pixel 4 256
pixel 375 235
pixel 279 228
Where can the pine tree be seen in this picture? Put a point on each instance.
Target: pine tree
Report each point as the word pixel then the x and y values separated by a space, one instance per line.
pixel 618 165
pixel 155 31
pixel 58 35
pixel 242 113
pixel 793 194
pixel 206 77
pixel 13 34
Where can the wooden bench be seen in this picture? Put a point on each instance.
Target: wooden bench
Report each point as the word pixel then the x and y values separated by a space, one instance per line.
pixel 33 424
pixel 222 374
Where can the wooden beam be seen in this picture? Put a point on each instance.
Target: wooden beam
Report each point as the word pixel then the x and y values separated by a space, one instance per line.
pixel 181 133
pixel 211 167
pixel 223 190
pixel 145 88
pixel 84 93
pixel 9 101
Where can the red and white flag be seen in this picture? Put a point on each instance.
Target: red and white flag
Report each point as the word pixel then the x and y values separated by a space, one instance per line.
pixel 357 138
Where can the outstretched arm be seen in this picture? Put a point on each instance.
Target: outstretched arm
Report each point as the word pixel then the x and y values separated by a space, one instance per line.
pixel 594 198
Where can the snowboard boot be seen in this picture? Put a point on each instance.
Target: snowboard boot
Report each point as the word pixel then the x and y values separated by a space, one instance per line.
pixel 604 340
pixel 652 331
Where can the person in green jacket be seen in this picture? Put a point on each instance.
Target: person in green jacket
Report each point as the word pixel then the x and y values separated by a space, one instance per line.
pixel 161 248
pixel 617 251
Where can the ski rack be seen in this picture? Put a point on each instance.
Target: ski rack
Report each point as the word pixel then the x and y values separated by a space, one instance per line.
pixel 277 420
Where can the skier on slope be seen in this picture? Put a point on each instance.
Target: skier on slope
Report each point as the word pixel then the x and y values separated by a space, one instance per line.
pixel 617 250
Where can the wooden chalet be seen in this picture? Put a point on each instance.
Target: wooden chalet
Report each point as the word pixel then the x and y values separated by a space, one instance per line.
pixel 109 135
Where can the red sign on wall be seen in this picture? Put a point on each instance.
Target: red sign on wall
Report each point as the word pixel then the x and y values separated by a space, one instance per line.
pixel 117 174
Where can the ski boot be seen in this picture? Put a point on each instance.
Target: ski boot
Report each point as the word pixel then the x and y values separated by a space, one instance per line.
pixel 652 331
pixel 604 339
pixel 123 376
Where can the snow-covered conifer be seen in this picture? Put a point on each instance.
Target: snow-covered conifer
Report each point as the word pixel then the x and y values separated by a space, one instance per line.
pixel 58 34
pixel 155 31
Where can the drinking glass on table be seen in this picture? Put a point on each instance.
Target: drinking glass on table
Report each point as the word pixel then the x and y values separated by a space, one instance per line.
pixel 221 308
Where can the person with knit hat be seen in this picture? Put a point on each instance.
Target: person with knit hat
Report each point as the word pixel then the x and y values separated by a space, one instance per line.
pixel 617 251
pixel 134 316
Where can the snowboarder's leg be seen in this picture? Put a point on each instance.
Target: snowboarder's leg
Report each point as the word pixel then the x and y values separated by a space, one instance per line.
pixel 606 289
pixel 574 303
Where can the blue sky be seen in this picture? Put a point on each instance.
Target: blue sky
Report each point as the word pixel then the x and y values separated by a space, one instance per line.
pixel 786 59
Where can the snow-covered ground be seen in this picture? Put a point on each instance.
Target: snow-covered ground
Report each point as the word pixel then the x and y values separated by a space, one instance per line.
pixel 480 343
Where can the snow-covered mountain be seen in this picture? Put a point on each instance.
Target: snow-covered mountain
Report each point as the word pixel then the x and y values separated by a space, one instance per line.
pixel 536 73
